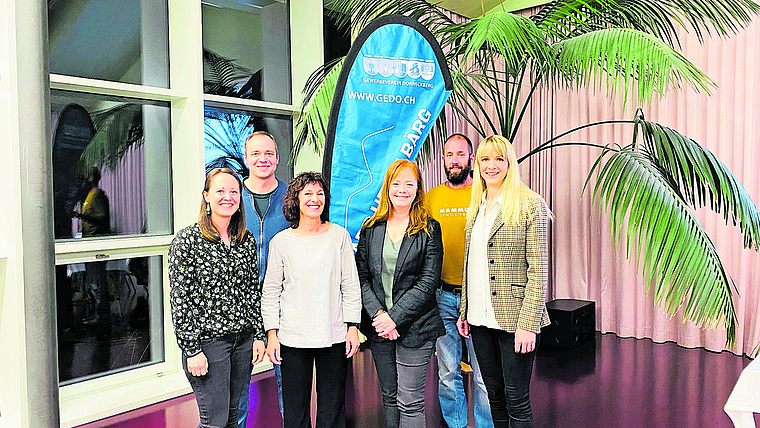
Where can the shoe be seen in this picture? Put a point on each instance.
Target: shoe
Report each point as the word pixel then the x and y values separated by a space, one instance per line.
pixel 93 320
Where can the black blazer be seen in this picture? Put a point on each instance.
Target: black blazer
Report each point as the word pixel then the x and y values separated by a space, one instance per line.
pixel 415 280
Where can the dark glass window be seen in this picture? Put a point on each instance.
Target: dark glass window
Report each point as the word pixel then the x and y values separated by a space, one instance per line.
pixel 120 41
pixel 226 131
pixel 110 316
pixel 107 153
pixel 246 49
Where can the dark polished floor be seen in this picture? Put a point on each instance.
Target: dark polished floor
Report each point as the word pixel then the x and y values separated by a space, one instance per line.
pixel 609 382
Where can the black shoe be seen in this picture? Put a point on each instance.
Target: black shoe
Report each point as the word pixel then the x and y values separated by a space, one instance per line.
pixel 92 320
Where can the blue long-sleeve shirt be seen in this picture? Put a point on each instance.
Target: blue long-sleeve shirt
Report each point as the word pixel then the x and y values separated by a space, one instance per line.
pixel 264 228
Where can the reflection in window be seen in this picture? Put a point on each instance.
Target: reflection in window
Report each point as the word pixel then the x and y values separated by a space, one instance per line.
pixel 110 316
pixel 246 49
pixel 225 133
pixel 107 153
pixel 120 41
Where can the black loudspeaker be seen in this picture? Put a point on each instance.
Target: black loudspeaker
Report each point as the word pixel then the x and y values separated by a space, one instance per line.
pixel 573 322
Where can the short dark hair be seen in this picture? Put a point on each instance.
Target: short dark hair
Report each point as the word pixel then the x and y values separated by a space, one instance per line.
pixel 236 228
pixel 462 136
pixel 290 207
pixel 95 175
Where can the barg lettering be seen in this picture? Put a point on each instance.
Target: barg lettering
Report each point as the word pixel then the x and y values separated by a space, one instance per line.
pixel 415 132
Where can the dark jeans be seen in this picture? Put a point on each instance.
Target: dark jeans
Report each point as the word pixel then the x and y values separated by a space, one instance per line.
pixel 506 375
pixel 297 369
pixel 401 372
pixel 218 391
pixel 245 397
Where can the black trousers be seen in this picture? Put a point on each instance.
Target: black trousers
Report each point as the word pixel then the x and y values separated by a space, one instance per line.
pixel 506 375
pixel 297 368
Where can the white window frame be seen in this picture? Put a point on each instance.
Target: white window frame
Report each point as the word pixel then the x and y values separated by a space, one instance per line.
pixel 96 398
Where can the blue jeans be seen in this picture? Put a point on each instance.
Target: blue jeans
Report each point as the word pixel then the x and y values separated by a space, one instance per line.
pixel 506 374
pixel 401 372
pixel 243 406
pixel 450 385
pixel 218 391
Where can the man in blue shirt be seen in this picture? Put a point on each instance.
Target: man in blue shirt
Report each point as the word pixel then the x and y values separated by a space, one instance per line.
pixel 262 198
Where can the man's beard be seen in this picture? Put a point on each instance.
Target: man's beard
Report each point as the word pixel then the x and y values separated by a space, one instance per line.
pixel 457 178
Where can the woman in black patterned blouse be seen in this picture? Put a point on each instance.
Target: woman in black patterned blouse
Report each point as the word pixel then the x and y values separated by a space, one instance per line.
pixel 216 300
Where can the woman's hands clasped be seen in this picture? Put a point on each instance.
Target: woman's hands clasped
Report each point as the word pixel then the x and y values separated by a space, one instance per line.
pixel 385 326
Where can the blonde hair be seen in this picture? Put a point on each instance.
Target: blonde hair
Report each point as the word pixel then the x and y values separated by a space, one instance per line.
pixel 418 215
pixel 513 190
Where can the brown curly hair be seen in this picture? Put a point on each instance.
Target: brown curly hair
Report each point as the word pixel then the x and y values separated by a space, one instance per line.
pixel 290 206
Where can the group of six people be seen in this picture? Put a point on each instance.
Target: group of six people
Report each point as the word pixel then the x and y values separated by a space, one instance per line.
pixel 467 261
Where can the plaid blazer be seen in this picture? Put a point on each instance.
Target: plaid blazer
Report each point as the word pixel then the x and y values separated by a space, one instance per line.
pixel 518 259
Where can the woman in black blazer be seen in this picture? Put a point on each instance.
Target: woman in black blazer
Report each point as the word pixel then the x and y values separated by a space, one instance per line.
pixel 399 261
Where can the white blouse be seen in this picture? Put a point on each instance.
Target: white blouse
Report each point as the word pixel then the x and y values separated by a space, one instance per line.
pixel 479 307
pixel 311 288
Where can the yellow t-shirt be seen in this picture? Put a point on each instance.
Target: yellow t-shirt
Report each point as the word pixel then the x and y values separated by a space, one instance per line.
pixel 449 207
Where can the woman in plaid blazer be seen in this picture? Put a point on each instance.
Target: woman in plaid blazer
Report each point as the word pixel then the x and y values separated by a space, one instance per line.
pixel 505 279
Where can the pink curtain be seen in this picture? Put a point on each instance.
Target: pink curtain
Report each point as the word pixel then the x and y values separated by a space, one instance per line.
pixel 586 263
pixel 125 188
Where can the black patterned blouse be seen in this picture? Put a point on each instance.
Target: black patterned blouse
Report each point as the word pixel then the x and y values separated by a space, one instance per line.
pixel 214 288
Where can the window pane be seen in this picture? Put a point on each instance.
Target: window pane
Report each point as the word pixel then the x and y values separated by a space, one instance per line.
pixel 103 148
pixel 246 49
pixel 120 41
pixel 226 131
pixel 109 316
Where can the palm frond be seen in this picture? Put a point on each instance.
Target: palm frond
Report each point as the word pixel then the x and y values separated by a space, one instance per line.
pixel 234 163
pixel 357 14
pixel 223 76
pixel 651 17
pixel 724 17
pixel 696 174
pixel 311 122
pixel 562 19
pixel 623 59
pixel 677 258
pixel 116 131
pixel 515 38
pixel 468 102
pixel 226 133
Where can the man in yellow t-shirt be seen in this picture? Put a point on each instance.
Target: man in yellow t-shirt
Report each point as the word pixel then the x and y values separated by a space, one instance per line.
pixel 448 204
pixel 96 221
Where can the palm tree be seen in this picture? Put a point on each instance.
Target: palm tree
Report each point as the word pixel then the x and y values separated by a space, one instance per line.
pixel 224 136
pixel 120 128
pixel 117 129
pixel 649 187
